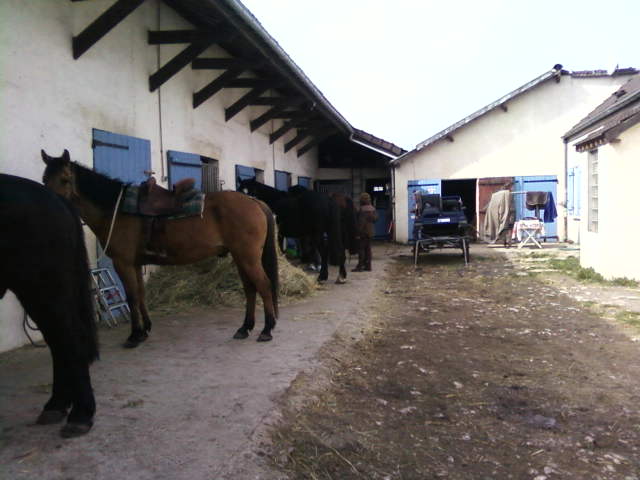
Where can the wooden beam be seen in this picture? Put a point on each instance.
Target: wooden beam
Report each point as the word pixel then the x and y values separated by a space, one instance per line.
pixel 299 123
pixel 102 25
pixel 215 86
pixel 243 102
pixel 252 83
pixel 315 141
pixel 302 134
pixel 178 62
pixel 265 117
pixel 164 37
pixel 277 101
pixel 224 63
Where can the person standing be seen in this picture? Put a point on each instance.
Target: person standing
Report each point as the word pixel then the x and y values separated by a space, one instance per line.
pixel 366 219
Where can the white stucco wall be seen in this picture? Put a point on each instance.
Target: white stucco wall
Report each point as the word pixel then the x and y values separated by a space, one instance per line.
pixel 49 100
pixel 612 251
pixel 525 140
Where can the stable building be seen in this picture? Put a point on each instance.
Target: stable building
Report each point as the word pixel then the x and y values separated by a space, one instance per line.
pixel 174 89
pixel 513 143
pixel 603 152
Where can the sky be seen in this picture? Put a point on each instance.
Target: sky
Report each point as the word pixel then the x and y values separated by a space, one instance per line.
pixel 403 70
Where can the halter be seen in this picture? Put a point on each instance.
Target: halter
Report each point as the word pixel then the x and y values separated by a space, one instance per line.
pixel 113 222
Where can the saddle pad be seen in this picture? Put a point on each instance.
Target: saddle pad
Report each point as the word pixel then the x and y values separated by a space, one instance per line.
pixel 193 206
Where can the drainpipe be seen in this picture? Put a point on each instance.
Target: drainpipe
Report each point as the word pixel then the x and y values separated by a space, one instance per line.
pixel 566 190
pixel 393 200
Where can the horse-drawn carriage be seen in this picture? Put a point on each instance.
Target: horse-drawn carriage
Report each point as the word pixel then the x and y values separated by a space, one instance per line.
pixel 440 222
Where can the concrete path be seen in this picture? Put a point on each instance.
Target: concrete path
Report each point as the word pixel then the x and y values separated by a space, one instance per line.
pixel 190 403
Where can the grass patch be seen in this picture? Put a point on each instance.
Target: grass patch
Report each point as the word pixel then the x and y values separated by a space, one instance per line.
pixel 629 318
pixel 571 266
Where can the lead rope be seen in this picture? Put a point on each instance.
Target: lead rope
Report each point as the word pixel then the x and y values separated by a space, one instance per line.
pixel 113 222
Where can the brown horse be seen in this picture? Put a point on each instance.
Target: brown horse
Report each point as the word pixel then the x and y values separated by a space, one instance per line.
pixel 230 222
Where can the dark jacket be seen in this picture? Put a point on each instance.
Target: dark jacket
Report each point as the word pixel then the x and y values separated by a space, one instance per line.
pixel 366 220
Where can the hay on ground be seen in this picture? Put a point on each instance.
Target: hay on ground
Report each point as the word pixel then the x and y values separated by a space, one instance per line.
pixel 215 282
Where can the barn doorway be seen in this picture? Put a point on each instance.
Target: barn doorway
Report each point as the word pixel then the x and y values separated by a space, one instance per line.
pixel 466 188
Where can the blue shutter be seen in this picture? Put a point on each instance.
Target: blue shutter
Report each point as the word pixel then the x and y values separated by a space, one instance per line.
pixel 432 186
pixel 122 157
pixel 282 180
pixel 304 182
pixel 184 165
pixel 244 173
pixel 540 183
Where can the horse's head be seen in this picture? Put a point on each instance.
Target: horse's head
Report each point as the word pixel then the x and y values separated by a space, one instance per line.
pixel 58 174
pixel 247 186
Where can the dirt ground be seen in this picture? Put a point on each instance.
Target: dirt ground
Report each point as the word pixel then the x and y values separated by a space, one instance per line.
pixel 444 371
pixel 478 372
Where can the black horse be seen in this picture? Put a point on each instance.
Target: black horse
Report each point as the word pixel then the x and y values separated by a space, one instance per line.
pixel 325 223
pixel 43 260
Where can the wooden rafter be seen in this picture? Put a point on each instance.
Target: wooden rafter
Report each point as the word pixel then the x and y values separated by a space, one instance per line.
pixel 277 101
pixel 302 134
pixel 102 25
pixel 164 37
pixel 243 102
pixel 224 63
pixel 319 137
pixel 299 123
pixel 253 83
pixel 215 86
pixel 178 62
pixel 273 113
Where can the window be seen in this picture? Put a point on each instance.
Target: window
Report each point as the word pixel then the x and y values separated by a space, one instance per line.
pixel 210 178
pixel 593 191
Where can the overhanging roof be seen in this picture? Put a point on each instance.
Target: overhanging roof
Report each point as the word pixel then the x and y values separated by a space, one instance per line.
pixel 256 63
pixel 616 114
pixel 555 73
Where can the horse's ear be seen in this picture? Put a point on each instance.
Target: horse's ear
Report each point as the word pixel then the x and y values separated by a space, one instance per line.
pixel 45 158
pixel 65 156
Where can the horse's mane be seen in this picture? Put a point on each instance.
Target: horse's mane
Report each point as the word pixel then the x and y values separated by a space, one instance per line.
pixel 100 189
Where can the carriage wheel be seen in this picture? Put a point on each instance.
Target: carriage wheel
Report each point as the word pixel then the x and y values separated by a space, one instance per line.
pixel 465 250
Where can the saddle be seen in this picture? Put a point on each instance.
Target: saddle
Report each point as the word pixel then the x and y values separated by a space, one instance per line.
pixel 155 200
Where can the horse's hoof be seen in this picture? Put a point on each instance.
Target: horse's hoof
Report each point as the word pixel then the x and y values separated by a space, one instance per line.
pixel 134 341
pixel 341 280
pixel 264 337
pixel 49 417
pixel 241 335
pixel 71 430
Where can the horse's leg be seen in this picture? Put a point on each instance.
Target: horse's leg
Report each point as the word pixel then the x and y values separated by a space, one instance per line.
pixel 80 419
pixel 129 279
pixel 55 410
pixel 342 274
pixel 250 309
pixel 323 248
pixel 256 275
pixel 141 299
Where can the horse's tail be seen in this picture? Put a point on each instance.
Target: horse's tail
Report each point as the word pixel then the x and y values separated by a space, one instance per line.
pixel 83 319
pixel 336 245
pixel 349 223
pixel 270 255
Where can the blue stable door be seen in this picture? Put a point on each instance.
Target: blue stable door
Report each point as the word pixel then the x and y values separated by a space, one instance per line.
pixel 122 157
pixel 539 183
pixel 430 186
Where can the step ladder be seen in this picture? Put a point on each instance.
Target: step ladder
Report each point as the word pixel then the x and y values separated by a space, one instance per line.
pixel 109 300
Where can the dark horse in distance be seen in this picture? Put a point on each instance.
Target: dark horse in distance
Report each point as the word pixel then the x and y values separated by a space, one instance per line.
pixel 43 260
pixel 229 223
pixel 326 222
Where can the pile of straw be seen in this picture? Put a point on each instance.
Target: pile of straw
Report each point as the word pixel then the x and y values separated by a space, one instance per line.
pixel 215 282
